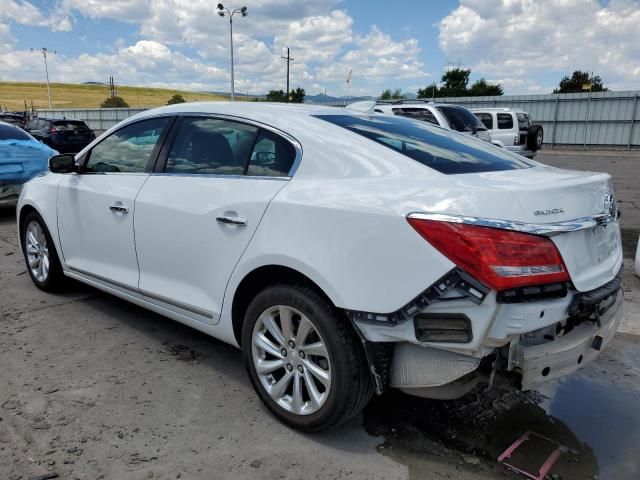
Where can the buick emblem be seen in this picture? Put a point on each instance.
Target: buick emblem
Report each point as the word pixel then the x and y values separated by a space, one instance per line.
pixel 549 211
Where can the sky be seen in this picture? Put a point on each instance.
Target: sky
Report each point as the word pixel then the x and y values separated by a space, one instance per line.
pixel 526 45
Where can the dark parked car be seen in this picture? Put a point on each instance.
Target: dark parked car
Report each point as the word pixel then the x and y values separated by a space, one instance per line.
pixel 65 136
pixel 22 157
pixel 13 118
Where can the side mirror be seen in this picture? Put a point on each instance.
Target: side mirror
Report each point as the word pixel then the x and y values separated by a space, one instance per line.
pixel 62 163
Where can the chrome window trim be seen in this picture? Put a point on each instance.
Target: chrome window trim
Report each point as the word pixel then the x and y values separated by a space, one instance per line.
pixel 216 175
pixel 235 118
pixel 547 229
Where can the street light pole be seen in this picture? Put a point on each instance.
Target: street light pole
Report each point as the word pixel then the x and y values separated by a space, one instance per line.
pixel 222 11
pixel 44 52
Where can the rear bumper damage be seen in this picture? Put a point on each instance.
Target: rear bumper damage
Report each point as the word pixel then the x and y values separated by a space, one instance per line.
pixel 574 330
pixel 569 352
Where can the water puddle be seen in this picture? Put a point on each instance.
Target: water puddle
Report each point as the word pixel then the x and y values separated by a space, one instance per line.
pixel 595 413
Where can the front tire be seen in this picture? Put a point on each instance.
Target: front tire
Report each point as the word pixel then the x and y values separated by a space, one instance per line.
pixel 304 360
pixel 40 254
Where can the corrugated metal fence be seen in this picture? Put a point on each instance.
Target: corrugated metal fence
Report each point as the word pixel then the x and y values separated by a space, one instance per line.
pixel 98 119
pixel 603 118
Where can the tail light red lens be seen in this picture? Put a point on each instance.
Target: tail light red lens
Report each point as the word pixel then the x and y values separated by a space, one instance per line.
pixel 501 259
pixel 53 130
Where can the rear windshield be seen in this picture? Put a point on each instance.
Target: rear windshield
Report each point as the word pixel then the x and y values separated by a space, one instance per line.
pixel 69 125
pixel 461 119
pixel 436 148
pixel 13 133
pixel 523 121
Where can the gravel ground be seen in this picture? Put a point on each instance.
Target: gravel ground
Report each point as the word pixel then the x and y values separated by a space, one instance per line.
pixel 92 387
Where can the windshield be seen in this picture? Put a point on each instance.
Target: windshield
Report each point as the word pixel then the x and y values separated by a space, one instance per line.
pixel 460 119
pixel 8 132
pixel 439 149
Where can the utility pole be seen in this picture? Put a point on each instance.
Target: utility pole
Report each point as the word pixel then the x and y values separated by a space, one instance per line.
pixel 44 52
pixel 289 59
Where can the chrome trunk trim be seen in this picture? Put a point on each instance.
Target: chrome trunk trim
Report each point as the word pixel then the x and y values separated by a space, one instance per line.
pixel 547 229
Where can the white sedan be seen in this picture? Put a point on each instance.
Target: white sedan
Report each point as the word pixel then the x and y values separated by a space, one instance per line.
pixel 343 252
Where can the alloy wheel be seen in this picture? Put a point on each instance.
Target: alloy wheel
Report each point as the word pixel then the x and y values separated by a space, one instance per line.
pixel 291 360
pixel 37 251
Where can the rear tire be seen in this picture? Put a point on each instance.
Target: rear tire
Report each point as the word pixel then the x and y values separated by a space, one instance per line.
pixel 311 373
pixel 535 138
pixel 40 254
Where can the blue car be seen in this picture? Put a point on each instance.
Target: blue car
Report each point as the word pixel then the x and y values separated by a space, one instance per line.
pixel 22 157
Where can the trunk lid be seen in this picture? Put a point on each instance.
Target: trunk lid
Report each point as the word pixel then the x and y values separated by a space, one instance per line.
pixel 544 195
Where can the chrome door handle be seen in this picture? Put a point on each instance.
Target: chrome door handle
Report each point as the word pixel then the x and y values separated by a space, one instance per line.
pixel 232 221
pixel 118 208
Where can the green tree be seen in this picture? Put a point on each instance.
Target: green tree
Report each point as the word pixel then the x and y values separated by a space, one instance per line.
pixel 114 102
pixel 397 94
pixel 579 79
pixel 430 91
pixel 386 94
pixel 276 96
pixel 455 83
pixel 177 98
pixel 297 95
pixel 481 88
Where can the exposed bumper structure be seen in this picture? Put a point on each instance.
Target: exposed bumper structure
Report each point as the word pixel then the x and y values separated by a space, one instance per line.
pixel 568 353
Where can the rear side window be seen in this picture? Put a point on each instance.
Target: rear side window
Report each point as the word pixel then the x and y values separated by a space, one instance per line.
pixel 65 125
pixel 211 146
pixel 128 149
pixel 460 119
pixel 12 133
pixel 486 119
pixel 505 121
pixel 417 113
pixel 272 156
pixel 444 151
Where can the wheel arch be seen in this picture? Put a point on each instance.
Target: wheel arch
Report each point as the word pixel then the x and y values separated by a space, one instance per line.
pixel 260 278
pixel 27 208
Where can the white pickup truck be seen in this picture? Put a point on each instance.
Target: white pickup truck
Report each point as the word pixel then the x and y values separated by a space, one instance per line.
pixel 512 129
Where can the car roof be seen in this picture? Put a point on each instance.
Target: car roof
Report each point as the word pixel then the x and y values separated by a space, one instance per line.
pixel 289 118
pixel 498 109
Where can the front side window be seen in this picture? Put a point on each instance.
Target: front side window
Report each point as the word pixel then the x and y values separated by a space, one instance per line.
pixel 505 121
pixel 129 149
pixel 210 146
pixel 436 148
pixel 423 114
pixel 272 156
pixel 486 119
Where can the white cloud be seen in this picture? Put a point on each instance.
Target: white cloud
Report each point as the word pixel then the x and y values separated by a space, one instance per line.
pixel 186 42
pixel 522 38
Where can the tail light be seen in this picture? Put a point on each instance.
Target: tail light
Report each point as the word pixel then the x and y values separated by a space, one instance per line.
pixel 501 259
pixel 53 130
pixel 516 139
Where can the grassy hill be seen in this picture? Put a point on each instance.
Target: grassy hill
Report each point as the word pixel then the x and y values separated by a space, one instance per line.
pixel 67 95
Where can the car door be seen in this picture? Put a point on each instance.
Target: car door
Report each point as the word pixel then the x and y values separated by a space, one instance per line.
pixel 96 205
pixel 197 213
pixel 505 131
